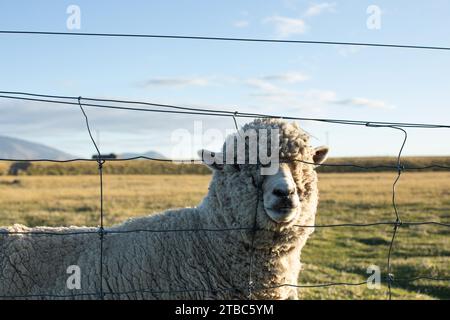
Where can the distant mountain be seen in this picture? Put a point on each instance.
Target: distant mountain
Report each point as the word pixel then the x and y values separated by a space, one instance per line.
pixel 149 154
pixel 13 148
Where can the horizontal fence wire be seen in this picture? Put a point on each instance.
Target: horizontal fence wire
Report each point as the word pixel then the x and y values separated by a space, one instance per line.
pixel 71 100
pixel 337 225
pixel 198 161
pixel 215 290
pixel 174 109
pixel 251 286
pixel 208 38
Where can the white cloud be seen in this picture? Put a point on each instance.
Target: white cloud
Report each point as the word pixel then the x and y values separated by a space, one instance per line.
pixel 364 102
pixel 264 81
pixel 275 99
pixel 329 96
pixel 177 82
pixel 285 26
pixel 267 89
pixel 309 98
pixel 317 9
pixel 241 23
pixel 289 77
pixel 288 26
pixel 319 95
pixel 270 89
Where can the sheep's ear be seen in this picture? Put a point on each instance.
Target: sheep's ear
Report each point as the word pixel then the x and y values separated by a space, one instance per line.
pixel 320 155
pixel 213 160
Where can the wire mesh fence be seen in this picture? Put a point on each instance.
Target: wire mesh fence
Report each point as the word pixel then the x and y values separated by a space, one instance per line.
pixel 140 106
pixel 250 286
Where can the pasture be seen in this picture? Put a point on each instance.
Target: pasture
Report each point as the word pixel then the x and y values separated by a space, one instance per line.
pixel 331 255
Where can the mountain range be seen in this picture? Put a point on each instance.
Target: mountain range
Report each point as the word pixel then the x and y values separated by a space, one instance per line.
pixel 14 148
pixel 148 154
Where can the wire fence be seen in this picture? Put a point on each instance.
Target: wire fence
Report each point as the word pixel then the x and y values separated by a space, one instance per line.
pixel 251 286
pixel 141 106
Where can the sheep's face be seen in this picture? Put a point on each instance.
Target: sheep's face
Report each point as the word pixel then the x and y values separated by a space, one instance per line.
pixel 277 199
pixel 281 198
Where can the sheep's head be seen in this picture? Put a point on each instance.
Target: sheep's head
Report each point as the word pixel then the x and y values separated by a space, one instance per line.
pixel 279 185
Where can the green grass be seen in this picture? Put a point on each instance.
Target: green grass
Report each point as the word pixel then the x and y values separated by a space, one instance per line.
pixel 331 254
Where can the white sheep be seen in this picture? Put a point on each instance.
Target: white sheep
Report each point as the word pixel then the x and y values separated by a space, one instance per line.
pixel 207 260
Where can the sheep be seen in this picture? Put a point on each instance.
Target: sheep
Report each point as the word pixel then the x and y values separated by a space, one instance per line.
pixel 243 240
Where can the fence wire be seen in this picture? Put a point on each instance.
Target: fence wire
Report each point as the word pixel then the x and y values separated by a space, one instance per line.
pixel 164 108
pixel 251 286
pixel 100 162
pixel 209 38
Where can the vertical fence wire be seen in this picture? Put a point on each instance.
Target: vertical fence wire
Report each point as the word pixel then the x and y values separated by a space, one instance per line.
pixel 101 230
pixel 398 222
pixel 253 228
pixel 253 231
pixel 390 276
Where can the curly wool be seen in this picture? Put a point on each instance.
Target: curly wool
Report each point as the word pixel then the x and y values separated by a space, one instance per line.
pixel 177 265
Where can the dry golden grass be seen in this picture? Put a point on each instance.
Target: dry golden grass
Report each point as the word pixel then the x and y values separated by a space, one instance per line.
pixel 4 167
pixel 74 200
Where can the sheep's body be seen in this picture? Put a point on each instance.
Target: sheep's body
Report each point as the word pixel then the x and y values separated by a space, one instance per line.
pixel 170 264
pixel 208 262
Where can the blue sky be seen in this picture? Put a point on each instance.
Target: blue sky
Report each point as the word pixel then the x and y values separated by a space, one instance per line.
pixel 296 80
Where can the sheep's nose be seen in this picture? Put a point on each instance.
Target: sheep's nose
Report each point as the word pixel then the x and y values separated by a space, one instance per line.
pixel 283 192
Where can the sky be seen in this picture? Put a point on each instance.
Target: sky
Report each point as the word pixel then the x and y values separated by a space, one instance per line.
pixel 343 82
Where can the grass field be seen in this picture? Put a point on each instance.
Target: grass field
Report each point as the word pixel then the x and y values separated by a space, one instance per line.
pixel 331 255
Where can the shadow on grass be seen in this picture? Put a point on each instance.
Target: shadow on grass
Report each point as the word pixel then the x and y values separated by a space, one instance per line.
pixel 436 289
pixel 374 241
